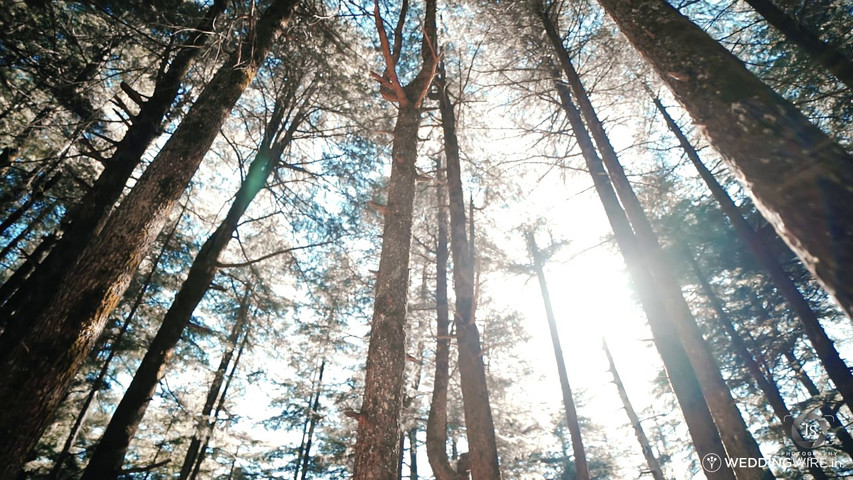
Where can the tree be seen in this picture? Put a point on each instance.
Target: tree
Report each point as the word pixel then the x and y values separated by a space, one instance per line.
pixel 377 447
pixel 65 327
pixel 797 176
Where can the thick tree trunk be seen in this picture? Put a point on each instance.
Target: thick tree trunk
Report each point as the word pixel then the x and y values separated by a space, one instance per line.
pixel 646 446
pixel 766 384
pixel 682 378
pixel 581 465
pixel 377 449
pixel 214 391
pixel 733 431
pixel 108 457
pixel 821 52
pixel 823 345
pixel 800 178
pixel 479 425
pixel 88 218
pixel 105 367
pixel 65 326
pixel 436 428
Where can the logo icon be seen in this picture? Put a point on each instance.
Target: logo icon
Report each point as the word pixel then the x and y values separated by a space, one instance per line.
pixel 711 462
pixel 809 430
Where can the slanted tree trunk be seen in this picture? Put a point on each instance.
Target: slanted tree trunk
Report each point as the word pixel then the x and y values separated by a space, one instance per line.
pixel 88 218
pixel 65 326
pixel 682 377
pixel 436 428
pixel 799 178
pixel 31 225
pixel 646 446
pixel 59 464
pixel 581 465
pixel 35 197
pixel 13 283
pixel 479 425
pixel 316 384
pixel 823 345
pixel 766 384
pixel 214 391
pixel 108 457
pixel 377 448
pixel 314 416
pixel 821 52
pixel 733 431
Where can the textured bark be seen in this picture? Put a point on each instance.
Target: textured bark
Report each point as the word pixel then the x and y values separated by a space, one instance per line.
pixel 105 367
pixel 733 431
pixel 823 345
pixel 821 52
pixel 651 460
pixel 89 217
pixel 108 457
pixel 66 325
pixel 377 448
pixel 581 465
pixel 479 425
pixel 800 178
pixel 682 378
pixel 766 384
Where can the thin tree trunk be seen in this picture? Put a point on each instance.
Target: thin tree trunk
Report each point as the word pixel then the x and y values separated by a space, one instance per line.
pixel 216 386
pixel 377 448
pixel 799 178
pixel 766 384
pixel 66 325
pixel 646 446
pixel 436 428
pixel 733 431
pixel 479 424
pixel 34 197
pixel 581 465
pixel 59 464
pixel 90 215
pixel 202 454
pixel 301 451
pixel 16 281
pixel 109 455
pixel 821 52
pixel 413 453
pixel 15 242
pixel 314 416
pixel 682 378
pixel 823 345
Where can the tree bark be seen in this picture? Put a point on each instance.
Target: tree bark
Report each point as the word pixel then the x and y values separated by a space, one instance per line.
pixel 733 431
pixel 821 52
pixel 377 448
pixel 766 384
pixel 88 218
pixel 479 424
pixel 823 345
pixel 65 326
pixel 313 416
pixel 799 178
pixel 682 378
pixel 31 225
pixel 108 457
pixel 581 465
pixel 646 446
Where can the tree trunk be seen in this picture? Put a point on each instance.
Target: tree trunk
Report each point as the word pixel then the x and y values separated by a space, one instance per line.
pixel 581 466
pixel 88 218
pixel 733 431
pixel 479 425
pixel 823 345
pixel 108 457
pixel 799 178
pixel 16 281
pixel 66 325
pixel 766 384
pixel 31 225
pixel 682 378
pixel 34 197
pixel 821 52
pixel 314 416
pixel 59 464
pixel 377 448
pixel 649 454
pixel 214 391
pixel 436 428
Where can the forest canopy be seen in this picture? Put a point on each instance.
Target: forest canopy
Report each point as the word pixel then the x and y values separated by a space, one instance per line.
pixel 532 239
